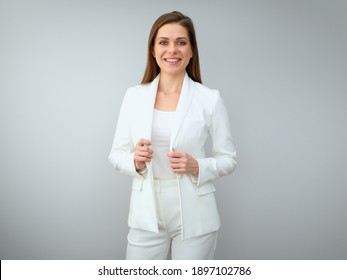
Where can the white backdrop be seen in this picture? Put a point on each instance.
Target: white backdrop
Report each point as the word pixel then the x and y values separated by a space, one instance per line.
pixel 281 68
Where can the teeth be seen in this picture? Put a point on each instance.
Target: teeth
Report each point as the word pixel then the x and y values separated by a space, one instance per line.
pixel 171 60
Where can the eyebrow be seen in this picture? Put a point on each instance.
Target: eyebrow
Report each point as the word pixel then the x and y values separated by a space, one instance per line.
pixel 178 38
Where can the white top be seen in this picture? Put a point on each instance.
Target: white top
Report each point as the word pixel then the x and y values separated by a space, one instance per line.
pixel 161 134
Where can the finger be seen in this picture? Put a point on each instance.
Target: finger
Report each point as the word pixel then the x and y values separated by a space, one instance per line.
pixel 144 149
pixel 144 154
pixel 176 154
pixel 179 165
pixel 143 142
pixel 178 171
pixel 181 161
pixel 141 159
pixel 174 160
pixel 148 149
pixel 176 167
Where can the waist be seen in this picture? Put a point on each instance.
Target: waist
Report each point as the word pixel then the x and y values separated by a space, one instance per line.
pixel 165 185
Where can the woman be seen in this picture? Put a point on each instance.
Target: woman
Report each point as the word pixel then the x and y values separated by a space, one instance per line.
pixel 159 141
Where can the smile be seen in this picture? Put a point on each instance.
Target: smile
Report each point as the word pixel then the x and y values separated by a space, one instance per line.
pixel 172 59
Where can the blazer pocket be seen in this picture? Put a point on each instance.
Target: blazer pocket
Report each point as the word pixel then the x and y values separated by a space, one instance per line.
pixel 205 189
pixel 137 184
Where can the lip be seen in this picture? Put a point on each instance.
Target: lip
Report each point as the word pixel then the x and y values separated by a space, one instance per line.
pixel 172 60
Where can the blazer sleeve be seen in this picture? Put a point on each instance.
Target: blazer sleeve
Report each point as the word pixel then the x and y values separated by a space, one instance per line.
pixel 121 156
pixel 223 160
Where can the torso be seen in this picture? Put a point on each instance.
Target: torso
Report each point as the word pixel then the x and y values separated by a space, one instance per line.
pixel 160 138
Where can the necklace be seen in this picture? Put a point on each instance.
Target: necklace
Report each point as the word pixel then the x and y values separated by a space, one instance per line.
pixel 168 93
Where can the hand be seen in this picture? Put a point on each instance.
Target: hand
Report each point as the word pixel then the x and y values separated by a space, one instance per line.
pixel 142 154
pixel 183 163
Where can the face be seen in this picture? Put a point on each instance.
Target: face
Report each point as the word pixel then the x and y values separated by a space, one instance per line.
pixel 172 49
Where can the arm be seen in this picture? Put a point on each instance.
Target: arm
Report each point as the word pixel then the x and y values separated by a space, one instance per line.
pixel 223 161
pixel 122 153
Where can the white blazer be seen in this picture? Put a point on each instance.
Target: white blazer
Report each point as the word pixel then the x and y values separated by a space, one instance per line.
pixel 200 112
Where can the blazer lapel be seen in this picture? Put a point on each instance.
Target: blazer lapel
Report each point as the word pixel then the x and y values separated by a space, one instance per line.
pixel 184 102
pixel 145 106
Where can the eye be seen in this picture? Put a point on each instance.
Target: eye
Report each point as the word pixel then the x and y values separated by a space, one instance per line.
pixel 162 42
pixel 181 43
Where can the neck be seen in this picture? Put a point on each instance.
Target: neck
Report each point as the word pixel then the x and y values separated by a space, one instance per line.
pixel 171 83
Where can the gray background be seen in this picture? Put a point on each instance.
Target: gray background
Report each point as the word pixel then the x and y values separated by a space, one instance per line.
pixel 281 68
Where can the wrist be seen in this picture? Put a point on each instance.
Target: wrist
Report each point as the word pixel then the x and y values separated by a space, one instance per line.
pixel 142 170
pixel 139 165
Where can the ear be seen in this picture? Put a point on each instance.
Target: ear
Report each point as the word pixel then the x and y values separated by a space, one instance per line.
pixel 191 53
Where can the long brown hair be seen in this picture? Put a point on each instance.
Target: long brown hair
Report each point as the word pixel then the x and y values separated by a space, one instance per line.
pixel 152 68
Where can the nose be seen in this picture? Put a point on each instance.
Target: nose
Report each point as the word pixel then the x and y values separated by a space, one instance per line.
pixel 172 48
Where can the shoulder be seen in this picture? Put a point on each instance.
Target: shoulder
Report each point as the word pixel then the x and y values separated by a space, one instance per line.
pixel 205 90
pixel 138 89
pixel 135 92
pixel 204 93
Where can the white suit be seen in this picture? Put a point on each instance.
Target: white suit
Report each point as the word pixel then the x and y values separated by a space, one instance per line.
pixel 200 112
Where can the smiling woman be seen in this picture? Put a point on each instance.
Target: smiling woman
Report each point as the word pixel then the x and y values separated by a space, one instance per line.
pixel 188 37
pixel 160 138
pixel 172 50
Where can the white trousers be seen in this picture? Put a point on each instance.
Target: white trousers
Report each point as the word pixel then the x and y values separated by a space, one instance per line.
pixel 145 245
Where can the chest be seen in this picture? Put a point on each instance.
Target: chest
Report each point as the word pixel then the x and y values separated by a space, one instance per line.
pixel 166 102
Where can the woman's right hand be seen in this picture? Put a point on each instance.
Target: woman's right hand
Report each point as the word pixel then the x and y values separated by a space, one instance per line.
pixel 142 154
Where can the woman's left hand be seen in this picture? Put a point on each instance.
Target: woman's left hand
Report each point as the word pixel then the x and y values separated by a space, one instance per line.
pixel 183 163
